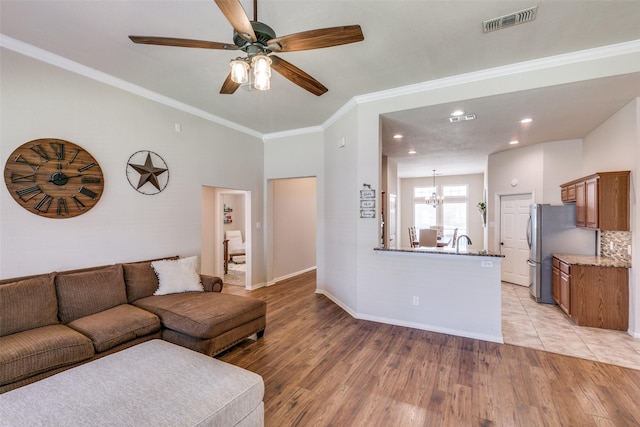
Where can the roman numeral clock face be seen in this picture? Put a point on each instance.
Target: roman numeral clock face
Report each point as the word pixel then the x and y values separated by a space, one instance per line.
pixel 53 178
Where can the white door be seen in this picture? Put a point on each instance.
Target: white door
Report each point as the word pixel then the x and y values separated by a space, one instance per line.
pixel 514 214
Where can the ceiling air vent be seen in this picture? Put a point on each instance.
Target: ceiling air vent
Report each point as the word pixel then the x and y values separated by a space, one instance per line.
pixel 509 20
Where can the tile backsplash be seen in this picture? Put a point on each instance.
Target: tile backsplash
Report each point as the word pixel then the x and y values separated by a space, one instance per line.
pixel 621 241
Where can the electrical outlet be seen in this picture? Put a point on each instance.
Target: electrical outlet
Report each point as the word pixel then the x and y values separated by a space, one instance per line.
pixel 416 300
pixel 629 249
pixel 610 246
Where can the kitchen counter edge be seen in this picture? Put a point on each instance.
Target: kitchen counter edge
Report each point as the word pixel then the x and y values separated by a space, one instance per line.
pixel 440 252
pixel 592 260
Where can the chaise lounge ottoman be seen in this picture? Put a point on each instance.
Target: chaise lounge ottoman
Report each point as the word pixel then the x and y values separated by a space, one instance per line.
pixel 155 383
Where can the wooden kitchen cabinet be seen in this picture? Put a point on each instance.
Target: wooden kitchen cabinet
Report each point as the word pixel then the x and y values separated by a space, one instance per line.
pixel 592 295
pixel 568 193
pixel 591 200
pixel 602 200
pixel 555 280
pixel 581 205
pixel 561 285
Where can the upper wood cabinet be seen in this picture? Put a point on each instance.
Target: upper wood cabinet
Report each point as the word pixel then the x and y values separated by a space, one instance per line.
pixel 602 200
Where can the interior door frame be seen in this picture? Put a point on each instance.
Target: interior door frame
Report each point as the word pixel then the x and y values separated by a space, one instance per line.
pixel 212 221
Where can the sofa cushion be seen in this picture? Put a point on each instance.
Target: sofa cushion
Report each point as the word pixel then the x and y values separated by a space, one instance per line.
pixel 31 352
pixel 176 276
pixel 116 325
pixel 203 315
pixel 140 279
pixel 85 293
pixel 28 304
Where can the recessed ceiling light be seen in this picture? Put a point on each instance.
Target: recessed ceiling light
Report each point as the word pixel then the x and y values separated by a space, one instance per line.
pixel 514 142
pixel 526 120
pixel 397 136
pixel 412 151
pixel 457 113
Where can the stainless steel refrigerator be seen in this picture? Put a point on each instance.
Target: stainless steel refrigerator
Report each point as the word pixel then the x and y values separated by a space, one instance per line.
pixel 552 229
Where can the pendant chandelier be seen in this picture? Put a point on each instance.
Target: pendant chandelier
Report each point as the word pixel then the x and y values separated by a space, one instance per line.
pixel 434 200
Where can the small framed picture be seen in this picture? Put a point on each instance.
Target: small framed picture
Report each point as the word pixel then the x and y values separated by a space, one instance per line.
pixel 367 213
pixel 367 203
pixel 367 194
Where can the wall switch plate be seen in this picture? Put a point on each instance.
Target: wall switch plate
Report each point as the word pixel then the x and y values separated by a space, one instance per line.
pixel 611 246
pixel 486 264
pixel 629 249
pixel 416 300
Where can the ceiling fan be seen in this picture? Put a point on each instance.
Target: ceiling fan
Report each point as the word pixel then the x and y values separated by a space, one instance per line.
pixel 258 41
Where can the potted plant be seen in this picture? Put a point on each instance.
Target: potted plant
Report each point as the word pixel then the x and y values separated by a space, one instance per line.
pixel 482 208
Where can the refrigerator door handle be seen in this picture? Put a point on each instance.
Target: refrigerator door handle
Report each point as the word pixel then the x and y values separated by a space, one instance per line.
pixel 529 232
pixel 531 263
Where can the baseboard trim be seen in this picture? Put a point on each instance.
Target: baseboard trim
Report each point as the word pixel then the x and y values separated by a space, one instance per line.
pixel 289 276
pixel 396 322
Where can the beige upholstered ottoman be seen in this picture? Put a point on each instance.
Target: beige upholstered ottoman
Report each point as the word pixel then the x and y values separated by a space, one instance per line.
pixel 155 383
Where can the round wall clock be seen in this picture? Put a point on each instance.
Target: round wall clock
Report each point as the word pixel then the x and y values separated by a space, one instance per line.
pixel 147 172
pixel 53 178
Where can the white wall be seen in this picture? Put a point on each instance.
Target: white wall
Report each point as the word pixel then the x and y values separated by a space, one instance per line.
pixel 612 146
pixel 341 210
pixel 538 169
pixel 39 101
pixel 294 226
pixel 294 156
pixel 236 203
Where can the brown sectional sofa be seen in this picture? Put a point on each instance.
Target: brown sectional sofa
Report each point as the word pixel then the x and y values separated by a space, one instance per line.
pixel 53 322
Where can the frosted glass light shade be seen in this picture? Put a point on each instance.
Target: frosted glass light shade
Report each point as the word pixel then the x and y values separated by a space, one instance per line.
pixel 262 72
pixel 239 71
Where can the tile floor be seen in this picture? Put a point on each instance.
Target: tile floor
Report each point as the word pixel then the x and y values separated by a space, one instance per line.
pixel 545 327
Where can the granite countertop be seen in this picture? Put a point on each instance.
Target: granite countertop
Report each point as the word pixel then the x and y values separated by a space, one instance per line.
pixel 593 260
pixel 441 251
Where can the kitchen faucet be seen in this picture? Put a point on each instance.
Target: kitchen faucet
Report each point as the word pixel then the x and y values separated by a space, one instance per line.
pixel 458 242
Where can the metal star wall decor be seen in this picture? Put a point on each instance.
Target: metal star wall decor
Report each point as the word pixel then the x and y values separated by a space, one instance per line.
pixel 147 172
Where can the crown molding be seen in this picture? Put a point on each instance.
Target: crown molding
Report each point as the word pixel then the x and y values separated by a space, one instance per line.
pixel 66 64
pixel 603 52
pixel 292 132
pixel 477 76
pixel 511 69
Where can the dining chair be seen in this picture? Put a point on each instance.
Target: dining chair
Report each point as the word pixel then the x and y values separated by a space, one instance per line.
pixel 428 237
pixel 413 238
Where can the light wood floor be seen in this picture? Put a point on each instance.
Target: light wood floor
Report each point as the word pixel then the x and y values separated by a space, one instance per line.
pixel 547 327
pixel 322 367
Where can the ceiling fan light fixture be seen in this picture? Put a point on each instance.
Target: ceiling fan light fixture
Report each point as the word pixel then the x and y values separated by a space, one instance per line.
pixel 261 72
pixel 239 71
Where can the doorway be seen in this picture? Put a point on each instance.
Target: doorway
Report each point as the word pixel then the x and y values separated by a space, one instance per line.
pixel 234 235
pixel 225 209
pixel 291 227
pixel 514 214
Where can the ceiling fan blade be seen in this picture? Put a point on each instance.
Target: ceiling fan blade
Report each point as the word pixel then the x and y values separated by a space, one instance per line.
pixel 297 76
pixel 316 39
pixel 235 14
pixel 229 86
pixel 170 41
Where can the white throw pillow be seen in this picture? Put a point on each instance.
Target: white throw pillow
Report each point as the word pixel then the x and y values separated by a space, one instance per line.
pixel 176 276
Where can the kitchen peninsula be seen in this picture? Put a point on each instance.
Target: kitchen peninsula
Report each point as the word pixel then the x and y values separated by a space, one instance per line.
pixel 436 289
